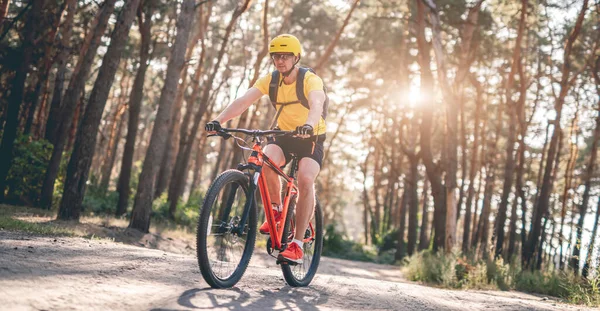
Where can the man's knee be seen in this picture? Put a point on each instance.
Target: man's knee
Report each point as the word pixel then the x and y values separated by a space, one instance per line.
pixel 275 153
pixel 305 180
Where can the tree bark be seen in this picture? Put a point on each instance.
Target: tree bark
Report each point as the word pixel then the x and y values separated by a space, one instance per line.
pixel 509 166
pixel 85 141
pixel 574 260
pixel 452 106
pixel 135 104
pixel 423 234
pixel 15 99
pixel 185 156
pixel 588 258
pixel 140 218
pixel 400 247
pixel 434 171
pixel 3 10
pixel 112 144
pixel 473 168
pixel 52 15
pixel 64 48
pixel 596 138
pixel 166 173
pixel 565 84
pixel 70 100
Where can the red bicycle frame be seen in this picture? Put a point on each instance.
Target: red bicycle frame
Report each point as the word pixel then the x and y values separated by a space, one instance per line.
pixel 259 159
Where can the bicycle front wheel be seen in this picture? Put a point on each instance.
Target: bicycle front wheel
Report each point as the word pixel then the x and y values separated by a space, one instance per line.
pixel 301 275
pixel 223 246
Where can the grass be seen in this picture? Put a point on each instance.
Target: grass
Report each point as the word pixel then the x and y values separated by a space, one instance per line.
pixel 7 222
pixel 456 271
pixel 163 234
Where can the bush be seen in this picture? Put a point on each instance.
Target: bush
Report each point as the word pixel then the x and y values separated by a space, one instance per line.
pixel 337 246
pixel 99 201
pixel 28 169
pixel 434 268
pixel 450 270
pixel 186 213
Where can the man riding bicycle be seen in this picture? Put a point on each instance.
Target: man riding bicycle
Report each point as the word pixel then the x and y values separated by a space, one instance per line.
pixel 303 113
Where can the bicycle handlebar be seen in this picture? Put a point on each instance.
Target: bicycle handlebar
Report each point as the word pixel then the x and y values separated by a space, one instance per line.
pixel 224 132
pixel 257 132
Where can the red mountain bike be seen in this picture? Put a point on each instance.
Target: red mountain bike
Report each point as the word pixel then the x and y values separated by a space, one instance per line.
pixel 227 223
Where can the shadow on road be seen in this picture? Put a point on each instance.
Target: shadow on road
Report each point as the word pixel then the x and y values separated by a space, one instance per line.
pixel 237 299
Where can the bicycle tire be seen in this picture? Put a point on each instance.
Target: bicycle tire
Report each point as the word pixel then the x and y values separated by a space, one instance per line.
pixel 222 229
pixel 302 274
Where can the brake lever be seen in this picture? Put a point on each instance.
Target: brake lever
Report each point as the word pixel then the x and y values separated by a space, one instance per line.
pixel 225 135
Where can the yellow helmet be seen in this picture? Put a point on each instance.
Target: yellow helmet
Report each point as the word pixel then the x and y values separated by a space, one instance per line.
pixel 285 44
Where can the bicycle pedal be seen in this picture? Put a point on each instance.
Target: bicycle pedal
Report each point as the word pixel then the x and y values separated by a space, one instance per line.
pixel 283 261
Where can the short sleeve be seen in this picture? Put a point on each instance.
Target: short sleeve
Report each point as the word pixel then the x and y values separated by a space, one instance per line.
pixel 262 84
pixel 312 82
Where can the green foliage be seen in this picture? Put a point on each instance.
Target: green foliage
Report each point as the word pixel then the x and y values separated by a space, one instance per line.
pixel 435 268
pixel 453 271
pixel 337 246
pixel 186 214
pixel 11 224
pixel 100 202
pixel 28 169
pixel 545 283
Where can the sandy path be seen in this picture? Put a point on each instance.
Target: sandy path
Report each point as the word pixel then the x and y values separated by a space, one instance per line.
pixel 46 273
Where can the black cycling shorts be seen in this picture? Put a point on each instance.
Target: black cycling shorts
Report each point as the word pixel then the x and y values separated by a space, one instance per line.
pixel 304 148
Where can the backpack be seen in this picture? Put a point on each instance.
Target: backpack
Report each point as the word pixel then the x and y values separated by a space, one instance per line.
pixel 274 87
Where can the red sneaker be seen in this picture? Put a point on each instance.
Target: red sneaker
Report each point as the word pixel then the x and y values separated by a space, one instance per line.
pixel 264 228
pixel 292 253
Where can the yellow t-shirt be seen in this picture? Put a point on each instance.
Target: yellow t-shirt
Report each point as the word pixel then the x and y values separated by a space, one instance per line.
pixel 293 115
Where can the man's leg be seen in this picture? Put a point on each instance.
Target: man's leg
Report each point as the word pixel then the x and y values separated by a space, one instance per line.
pixel 308 169
pixel 275 153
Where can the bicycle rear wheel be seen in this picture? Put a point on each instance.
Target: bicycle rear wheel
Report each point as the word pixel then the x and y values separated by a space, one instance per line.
pixel 224 248
pixel 301 275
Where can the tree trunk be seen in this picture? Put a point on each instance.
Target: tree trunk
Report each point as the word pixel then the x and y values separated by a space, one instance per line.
pixel 111 146
pixel 182 162
pixel 15 99
pixel 509 166
pixel 423 236
pixel 52 15
pixel 434 172
pixel 200 146
pixel 135 103
pixel 569 172
pixel 64 49
pixel 59 136
pixel 542 204
pixel 473 169
pixel 85 141
pixel 140 218
pixel 588 258
pixel 400 247
pixel 413 203
pixel 166 176
pixel 574 261
pixel 3 10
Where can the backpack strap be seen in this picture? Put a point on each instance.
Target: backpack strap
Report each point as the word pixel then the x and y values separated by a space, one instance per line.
pixel 273 87
pixel 300 86
pixel 300 91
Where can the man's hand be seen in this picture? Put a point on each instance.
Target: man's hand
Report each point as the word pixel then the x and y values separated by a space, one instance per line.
pixel 304 131
pixel 212 127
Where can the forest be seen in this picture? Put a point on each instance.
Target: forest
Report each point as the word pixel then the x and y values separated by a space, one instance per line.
pixel 465 126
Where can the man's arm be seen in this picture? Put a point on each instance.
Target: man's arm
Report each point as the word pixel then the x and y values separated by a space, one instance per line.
pixel 238 106
pixel 316 99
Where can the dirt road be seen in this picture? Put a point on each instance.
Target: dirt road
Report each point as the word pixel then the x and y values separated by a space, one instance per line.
pixel 47 273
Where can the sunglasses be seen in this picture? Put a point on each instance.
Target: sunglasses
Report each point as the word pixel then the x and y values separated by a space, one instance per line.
pixel 282 57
